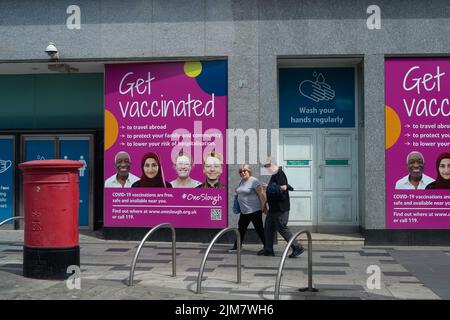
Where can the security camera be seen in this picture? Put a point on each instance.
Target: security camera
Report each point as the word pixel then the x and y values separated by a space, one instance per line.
pixel 52 51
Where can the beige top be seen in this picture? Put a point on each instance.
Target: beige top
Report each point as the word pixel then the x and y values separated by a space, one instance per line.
pixel 191 183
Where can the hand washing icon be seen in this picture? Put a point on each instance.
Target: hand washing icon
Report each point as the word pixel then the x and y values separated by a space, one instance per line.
pixel 5 165
pixel 316 90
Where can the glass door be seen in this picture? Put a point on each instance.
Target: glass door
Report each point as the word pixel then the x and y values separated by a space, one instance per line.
pixel 77 147
pixel 7 175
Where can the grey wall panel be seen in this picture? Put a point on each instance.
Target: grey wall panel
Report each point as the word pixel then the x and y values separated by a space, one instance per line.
pixel 374 137
pixel 173 28
pixel 251 34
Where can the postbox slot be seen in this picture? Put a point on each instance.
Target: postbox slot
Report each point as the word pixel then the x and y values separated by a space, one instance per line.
pixel 41 178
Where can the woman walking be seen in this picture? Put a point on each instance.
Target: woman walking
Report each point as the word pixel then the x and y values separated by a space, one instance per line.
pixel 252 205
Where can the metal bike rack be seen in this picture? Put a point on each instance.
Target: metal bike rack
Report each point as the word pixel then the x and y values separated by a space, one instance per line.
pixel 205 257
pixel 10 219
pixel 174 253
pixel 283 258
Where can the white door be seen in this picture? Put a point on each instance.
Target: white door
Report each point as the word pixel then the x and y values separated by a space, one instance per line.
pixel 298 160
pixel 337 177
pixel 321 166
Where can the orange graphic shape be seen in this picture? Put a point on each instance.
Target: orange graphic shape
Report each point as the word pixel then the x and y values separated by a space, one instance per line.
pixel 111 129
pixel 393 127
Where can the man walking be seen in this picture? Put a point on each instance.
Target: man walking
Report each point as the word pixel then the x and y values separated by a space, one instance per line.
pixel 277 194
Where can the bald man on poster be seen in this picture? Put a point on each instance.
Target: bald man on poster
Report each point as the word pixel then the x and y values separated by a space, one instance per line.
pixel 123 178
pixel 416 179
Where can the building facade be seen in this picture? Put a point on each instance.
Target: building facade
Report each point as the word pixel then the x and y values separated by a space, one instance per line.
pixel 336 163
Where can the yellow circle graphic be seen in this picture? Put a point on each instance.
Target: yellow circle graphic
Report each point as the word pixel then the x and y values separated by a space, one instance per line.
pixel 192 68
pixel 393 127
pixel 111 129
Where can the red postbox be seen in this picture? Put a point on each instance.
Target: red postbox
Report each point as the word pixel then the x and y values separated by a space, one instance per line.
pixel 50 201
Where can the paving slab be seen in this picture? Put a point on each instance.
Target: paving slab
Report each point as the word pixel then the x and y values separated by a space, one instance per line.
pixel 432 268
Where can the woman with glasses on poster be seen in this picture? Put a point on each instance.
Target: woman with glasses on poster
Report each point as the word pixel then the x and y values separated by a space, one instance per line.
pixel 152 173
pixel 443 173
pixel 252 204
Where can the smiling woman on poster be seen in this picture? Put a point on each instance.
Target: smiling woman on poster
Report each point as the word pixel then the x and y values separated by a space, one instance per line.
pixel 183 166
pixel 443 173
pixel 152 173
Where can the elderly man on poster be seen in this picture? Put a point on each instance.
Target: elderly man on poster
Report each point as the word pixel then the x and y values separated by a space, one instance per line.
pixel 416 179
pixel 123 178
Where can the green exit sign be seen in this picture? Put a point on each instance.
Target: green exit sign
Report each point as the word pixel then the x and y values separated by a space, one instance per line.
pixel 336 162
pixel 298 162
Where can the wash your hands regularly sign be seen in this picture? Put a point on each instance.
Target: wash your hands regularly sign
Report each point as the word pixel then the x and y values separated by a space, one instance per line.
pixel 165 126
pixel 417 143
pixel 317 97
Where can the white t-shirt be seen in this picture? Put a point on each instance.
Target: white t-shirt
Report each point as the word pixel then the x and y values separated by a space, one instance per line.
pixel 404 184
pixel 112 181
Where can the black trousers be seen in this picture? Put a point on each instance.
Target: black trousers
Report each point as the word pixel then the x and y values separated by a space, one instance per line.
pixel 277 221
pixel 256 219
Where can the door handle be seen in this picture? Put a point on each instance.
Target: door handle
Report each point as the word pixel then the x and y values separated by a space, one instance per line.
pixel 320 171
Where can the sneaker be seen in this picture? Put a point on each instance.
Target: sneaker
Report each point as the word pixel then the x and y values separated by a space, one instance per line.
pixel 269 253
pixel 261 252
pixel 233 250
pixel 296 252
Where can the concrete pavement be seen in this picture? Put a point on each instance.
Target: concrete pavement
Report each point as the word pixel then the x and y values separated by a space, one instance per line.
pixel 340 272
